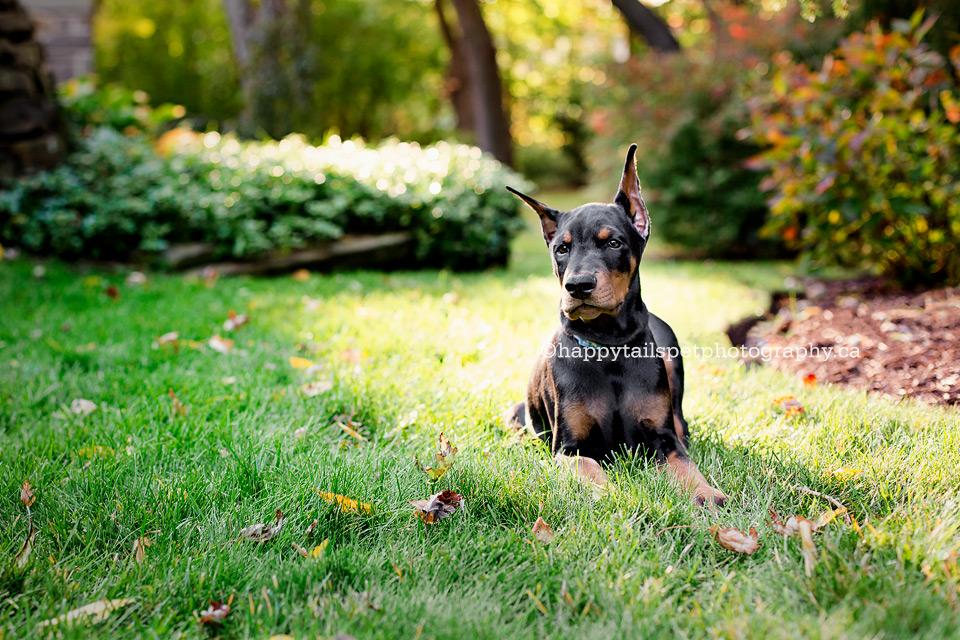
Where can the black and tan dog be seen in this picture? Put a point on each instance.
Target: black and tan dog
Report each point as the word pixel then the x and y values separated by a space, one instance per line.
pixel 611 378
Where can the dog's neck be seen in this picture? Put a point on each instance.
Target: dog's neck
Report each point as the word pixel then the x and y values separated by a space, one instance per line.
pixel 613 331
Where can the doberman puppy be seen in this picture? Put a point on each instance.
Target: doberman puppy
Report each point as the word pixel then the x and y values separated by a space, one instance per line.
pixel 611 377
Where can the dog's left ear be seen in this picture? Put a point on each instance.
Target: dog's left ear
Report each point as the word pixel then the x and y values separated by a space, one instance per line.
pixel 628 197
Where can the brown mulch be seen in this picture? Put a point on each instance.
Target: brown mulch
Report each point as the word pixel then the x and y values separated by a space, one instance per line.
pixel 908 343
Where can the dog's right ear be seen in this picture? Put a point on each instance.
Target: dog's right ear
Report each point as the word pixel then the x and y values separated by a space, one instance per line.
pixel 548 215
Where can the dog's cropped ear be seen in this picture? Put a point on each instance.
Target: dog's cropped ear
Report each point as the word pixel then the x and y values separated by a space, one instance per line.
pixel 548 215
pixel 628 196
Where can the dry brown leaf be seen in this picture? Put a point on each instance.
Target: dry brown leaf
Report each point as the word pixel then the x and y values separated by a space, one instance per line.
pixel 178 408
pixel 234 321
pixel 263 532
pixel 82 407
pixel 790 405
pixel 139 548
pixel 312 389
pixel 112 292
pixel 736 540
pixel 26 494
pixel 214 614
pixel 300 550
pixel 827 517
pixel 542 531
pixel 300 275
pixel 23 556
pixel 96 612
pixel 220 345
pixel 437 506
pixel 807 548
pixel 346 505
pixel 350 428
pixel 444 459
pixel 792 525
pixel 312 528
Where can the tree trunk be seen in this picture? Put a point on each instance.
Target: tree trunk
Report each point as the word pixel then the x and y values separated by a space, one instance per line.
pixel 30 133
pixel 457 84
pixel 648 25
pixel 486 89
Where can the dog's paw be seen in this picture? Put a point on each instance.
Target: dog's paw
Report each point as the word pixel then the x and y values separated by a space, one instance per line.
pixel 707 495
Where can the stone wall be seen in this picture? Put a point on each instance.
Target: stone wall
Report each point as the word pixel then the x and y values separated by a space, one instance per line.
pixel 30 136
pixel 64 30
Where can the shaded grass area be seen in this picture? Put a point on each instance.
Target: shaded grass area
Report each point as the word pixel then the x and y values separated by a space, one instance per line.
pixel 409 355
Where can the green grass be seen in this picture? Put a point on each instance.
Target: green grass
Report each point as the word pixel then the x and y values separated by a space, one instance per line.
pixel 430 363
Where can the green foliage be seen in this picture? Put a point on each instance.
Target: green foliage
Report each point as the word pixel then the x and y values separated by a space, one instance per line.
pixel 85 104
pixel 864 156
pixel 116 194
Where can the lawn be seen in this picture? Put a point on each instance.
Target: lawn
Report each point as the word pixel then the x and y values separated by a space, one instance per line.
pixel 411 354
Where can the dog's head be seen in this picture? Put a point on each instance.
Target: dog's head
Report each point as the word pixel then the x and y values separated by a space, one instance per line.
pixel 596 247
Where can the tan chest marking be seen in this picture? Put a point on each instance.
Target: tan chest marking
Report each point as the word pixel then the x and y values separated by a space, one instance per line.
pixel 582 416
pixel 651 409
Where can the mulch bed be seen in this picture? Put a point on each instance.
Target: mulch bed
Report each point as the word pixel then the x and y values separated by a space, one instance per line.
pixel 909 343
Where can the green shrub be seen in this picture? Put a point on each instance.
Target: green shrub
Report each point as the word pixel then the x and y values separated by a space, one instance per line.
pixel 864 154
pixel 117 194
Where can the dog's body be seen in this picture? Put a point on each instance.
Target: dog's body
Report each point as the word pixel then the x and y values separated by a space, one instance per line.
pixel 611 378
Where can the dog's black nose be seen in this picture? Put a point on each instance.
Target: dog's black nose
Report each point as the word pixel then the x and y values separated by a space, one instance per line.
pixel 581 285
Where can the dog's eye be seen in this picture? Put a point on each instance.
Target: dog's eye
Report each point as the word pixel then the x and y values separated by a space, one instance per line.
pixel 614 244
pixel 562 250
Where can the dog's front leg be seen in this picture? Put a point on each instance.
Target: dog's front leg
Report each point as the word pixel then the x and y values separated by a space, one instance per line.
pixel 684 471
pixel 587 469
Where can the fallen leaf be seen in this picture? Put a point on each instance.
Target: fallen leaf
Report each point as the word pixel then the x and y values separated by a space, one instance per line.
pixel 26 494
pixel 179 409
pixel 346 505
pixel 300 363
pixel 96 612
pixel 736 540
pixel 300 275
pixel 210 276
pixel 301 432
pixel 542 531
pixel 216 612
pixel 444 459
pixel 827 517
pixel 300 549
pixel 263 532
pixel 790 405
pixel 220 345
pixel 136 279
pixel 437 506
pixel 112 292
pixel 23 556
pixel 349 428
pixel 847 472
pixel 228 380
pixel 312 389
pixel 171 338
pixel 351 355
pixel 312 528
pixel 810 380
pixel 234 321
pixel 791 526
pixel 318 550
pixel 807 548
pixel 139 548
pixel 82 407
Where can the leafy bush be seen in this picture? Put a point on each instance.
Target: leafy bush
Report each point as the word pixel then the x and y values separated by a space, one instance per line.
pixel 87 105
pixel 118 193
pixel 864 154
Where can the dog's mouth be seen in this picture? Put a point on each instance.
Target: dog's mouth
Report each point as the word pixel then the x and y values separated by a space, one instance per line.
pixel 580 310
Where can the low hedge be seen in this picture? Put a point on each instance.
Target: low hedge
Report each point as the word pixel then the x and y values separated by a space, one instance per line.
pixel 126 191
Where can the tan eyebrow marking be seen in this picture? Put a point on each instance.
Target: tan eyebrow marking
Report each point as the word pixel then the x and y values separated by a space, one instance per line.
pixel 567 237
pixel 604 233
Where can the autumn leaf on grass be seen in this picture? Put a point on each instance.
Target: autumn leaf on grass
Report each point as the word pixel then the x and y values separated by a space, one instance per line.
pixel 345 504
pixel 112 292
pixel 810 380
pixel 23 556
pixel 94 612
pixel 350 427
pixel 437 506
pixel 234 321
pixel 444 459
pixel 220 345
pixel 82 407
pixel 300 275
pixel 215 614
pixel 300 363
pixel 178 408
pixel 314 553
pixel 736 540
pixel 312 389
pixel 263 532
pixel 789 404
pixel 807 547
pixel 791 526
pixel 26 494
pixel 139 552
pixel 171 339
pixel 542 531
pixel 311 528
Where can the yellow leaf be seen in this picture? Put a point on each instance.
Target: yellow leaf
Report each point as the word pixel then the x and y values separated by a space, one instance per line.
pixel 350 431
pixel 444 459
pixel 300 363
pixel 346 505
